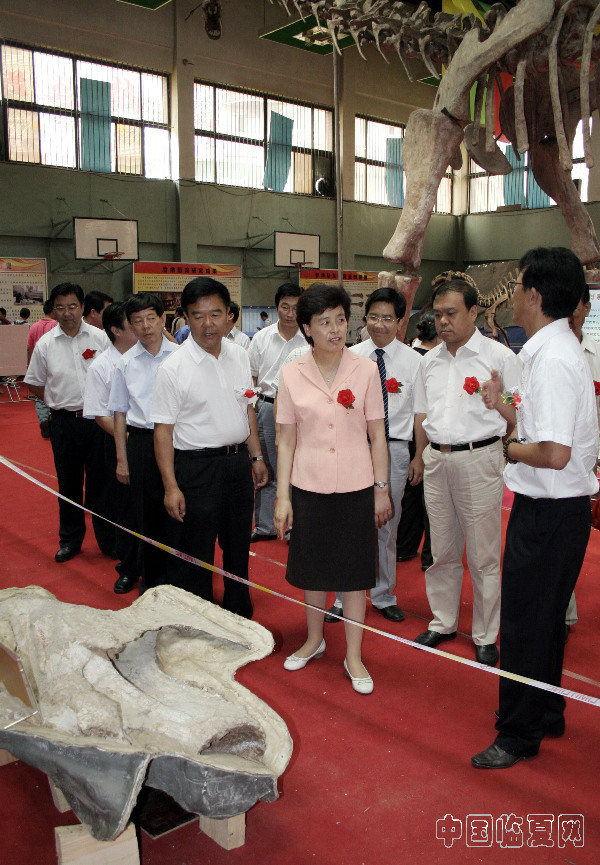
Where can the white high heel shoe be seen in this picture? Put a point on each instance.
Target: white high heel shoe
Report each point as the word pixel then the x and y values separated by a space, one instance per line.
pixel 361 686
pixel 293 662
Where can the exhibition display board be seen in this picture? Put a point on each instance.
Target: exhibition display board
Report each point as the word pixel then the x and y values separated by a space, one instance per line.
pixel 23 282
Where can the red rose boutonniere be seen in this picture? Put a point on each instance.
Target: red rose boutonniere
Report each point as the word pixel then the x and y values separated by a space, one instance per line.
pixel 597 388
pixel 88 353
pixel 250 393
pixel 509 398
pixel 346 398
pixel 392 385
pixel 472 385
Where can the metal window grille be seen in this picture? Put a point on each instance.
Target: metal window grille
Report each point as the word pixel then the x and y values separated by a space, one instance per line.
pixel 378 174
pixel 249 139
pixel 73 112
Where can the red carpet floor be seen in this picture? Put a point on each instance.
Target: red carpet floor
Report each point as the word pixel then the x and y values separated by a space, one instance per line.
pixel 370 776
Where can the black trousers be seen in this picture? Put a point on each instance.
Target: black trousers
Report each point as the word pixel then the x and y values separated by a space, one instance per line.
pixel 414 521
pixel 147 498
pixel 545 546
pixel 78 448
pixel 121 512
pixel 219 500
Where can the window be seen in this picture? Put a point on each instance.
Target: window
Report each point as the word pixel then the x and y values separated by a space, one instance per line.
pixel 77 113
pixel 378 174
pixel 255 140
pixel 488 192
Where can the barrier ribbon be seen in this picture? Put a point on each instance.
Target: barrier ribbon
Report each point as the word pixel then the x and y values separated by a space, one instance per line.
pixel 544 686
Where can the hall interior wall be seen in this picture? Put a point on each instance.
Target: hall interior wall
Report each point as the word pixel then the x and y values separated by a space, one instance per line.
pixel 189 221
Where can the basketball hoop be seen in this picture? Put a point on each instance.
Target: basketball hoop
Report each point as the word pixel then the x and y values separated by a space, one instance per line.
pixel 110 256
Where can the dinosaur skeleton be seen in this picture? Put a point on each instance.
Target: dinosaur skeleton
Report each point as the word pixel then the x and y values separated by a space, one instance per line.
pixel 550 49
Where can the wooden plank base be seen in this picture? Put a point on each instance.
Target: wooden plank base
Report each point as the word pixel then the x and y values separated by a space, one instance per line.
pixel 6 758
pixel 229 833
pixel 75 846
pixel 60 803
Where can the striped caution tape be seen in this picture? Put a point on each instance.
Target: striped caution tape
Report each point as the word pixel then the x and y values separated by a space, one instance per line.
pixel 544 686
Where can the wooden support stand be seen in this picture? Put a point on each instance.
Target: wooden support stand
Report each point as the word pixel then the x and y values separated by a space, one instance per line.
pixel 75 846
pixel 6 758
pixel 228 833
pixel 60 803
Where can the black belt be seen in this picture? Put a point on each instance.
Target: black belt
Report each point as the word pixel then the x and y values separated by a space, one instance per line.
pixel 266 398
pixel 215 452
pixel 77 412
pixel 140 430
pixel 398 440
pixel 468 446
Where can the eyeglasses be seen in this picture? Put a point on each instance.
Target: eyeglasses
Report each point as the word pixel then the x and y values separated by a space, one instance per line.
pixel 512 284
pixel 383 319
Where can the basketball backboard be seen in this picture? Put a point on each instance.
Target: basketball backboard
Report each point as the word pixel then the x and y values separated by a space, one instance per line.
pixel 294 250
pixel 105 239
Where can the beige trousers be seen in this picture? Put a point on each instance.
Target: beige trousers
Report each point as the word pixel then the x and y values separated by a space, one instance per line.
pixel 463 494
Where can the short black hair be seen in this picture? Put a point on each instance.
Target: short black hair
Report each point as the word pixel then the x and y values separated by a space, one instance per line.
pixel 234 308
pixel 387 295
pixel 287 289
pixel 557 275
pixel 47 307
pixel 24 312
pixel 426 326
pixel 203 286
pixel 65 288
pixel 468 292
pixel 113 316
pixel 95 300
pixel 2 310
pixel 141 301
pixel 316 299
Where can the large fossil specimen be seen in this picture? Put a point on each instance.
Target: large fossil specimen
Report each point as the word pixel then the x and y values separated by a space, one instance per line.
pixel 550 49
pixel 145 695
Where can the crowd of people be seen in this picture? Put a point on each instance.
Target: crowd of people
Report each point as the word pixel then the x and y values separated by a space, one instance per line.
pixel 200 436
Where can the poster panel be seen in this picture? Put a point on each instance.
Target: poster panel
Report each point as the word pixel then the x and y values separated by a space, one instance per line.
pixel 23 282
pixel 169 278
pixel 591 325
pixel 358 283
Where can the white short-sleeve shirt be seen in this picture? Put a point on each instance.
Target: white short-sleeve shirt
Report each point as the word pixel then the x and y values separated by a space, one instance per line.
pixel 268 351
pixel 98 383
pixel 133 382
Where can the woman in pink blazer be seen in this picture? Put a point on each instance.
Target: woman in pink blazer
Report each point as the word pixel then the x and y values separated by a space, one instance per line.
pixel 331 484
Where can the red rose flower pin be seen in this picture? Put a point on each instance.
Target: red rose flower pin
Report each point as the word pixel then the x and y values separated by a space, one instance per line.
pixel 250 393
pixel 597 388
pixel 346 398
pixel 392 385
pixel 471 385
pixel 510 398
pixel 88 353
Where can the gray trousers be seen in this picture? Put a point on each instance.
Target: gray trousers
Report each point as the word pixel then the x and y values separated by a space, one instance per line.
pixel 264 498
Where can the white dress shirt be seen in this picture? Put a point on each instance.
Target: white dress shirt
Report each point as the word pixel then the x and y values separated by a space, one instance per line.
pixel 403 364
pixel 98 383
pixel 58 365
pixel 133 382
pixel 238 337
pixel 203 396
pixel 557 405
pixel 267 352
pixel 453 415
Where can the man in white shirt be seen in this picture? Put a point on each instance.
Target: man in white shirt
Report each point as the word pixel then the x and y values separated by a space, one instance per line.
pixel 207 447
pixel 268 350
pixel 398 369
pixel 95 406
pixel 231 331
pixel 56 374
pixel 551 470
pixel 131 402
pixel 94 304
pixel 460 443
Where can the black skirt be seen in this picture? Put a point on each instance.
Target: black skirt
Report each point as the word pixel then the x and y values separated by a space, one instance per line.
pixel 333 541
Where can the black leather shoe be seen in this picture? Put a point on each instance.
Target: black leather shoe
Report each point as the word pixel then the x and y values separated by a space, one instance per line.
pixel 66 552
pixel 487 654
pixel 124 584
pixel 495 758
pixel 433 638
pixel 408 557
pixel 329 618
pixel 393 613
pixel 255 536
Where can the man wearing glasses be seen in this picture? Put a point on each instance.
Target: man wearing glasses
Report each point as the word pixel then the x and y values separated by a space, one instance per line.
pixel 398 369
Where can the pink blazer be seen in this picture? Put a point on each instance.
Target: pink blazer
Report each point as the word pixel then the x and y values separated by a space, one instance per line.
pixel 332 450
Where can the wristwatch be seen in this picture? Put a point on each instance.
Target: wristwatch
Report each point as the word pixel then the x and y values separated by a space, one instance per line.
pixel 257 459
pixel 380 484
